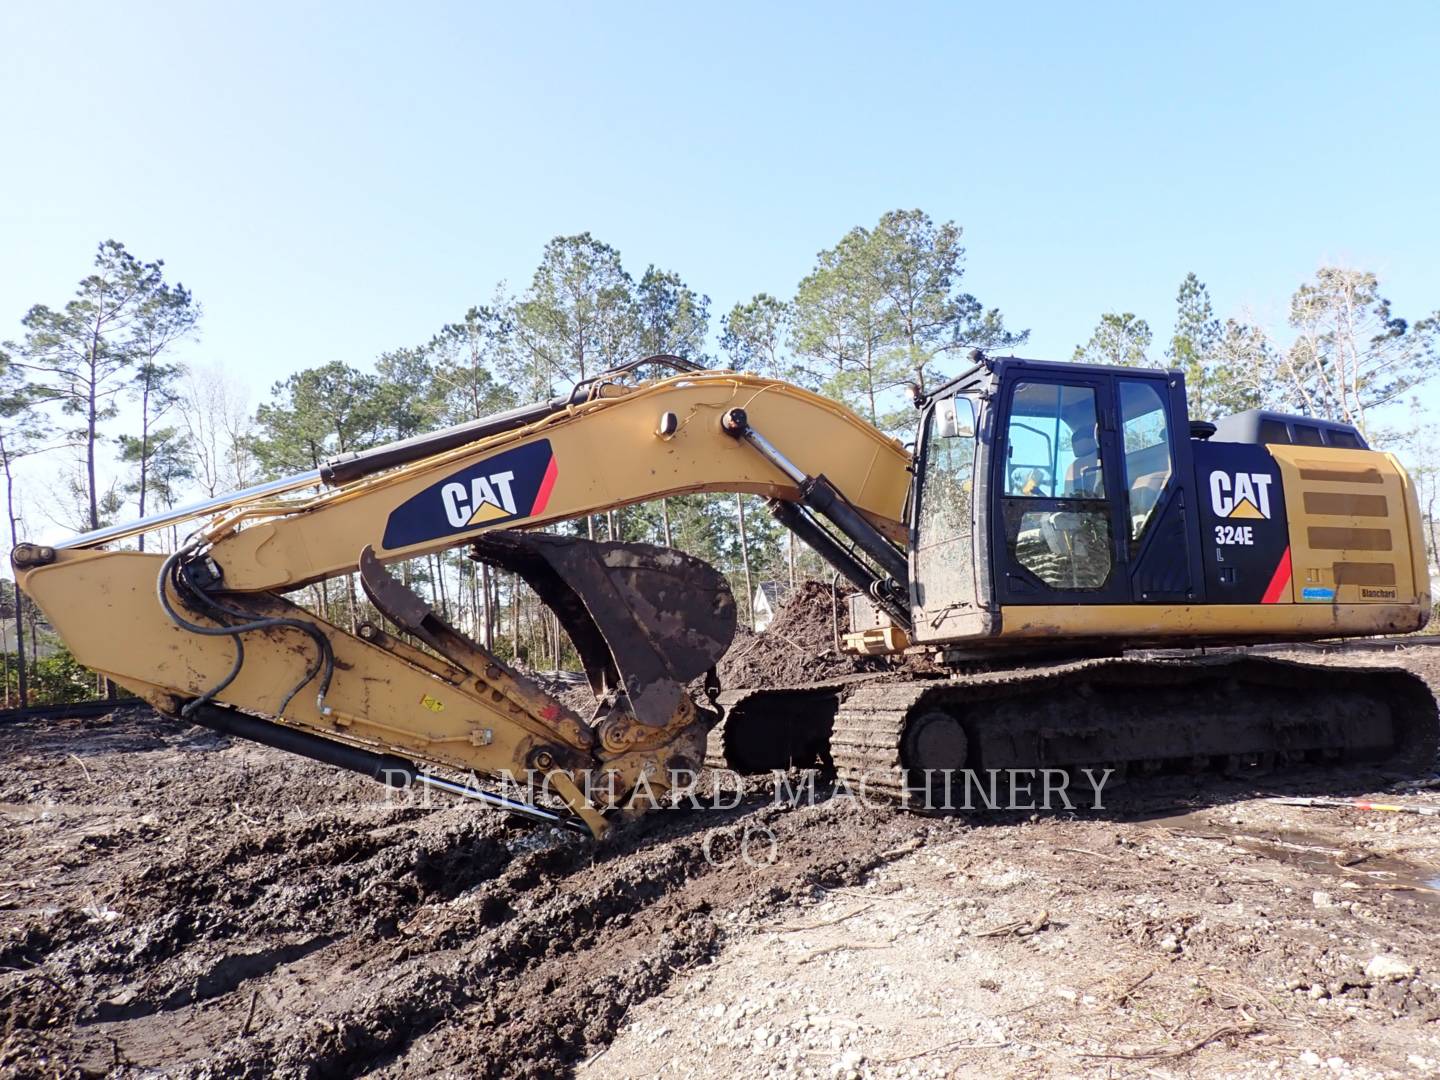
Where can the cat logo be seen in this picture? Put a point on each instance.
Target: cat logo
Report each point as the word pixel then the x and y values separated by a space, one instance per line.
pixel 484 499
pixel 1240 495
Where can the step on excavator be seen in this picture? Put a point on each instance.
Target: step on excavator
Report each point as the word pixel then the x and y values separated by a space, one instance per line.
pixel 1071 555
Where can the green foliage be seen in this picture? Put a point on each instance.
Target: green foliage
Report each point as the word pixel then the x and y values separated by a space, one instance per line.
pixel 163 465
pixel 882 309
pixel 920 266
pixel 577 318
pixel 157 455
pixel 1351 353
pixel 464 358
pixel 1118 339
pixel 408 399
pixel 672 318
pixel 1228 367
pixel 58 678
pixel 844 326
pixel 753 336
pixel 318 413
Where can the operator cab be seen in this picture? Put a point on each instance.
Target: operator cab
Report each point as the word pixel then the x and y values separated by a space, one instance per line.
pixel 1048 483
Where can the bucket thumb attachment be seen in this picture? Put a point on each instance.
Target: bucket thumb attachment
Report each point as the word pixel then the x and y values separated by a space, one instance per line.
pixel 643 618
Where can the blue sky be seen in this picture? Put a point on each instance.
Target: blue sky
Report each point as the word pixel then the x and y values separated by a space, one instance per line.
pixel 333 180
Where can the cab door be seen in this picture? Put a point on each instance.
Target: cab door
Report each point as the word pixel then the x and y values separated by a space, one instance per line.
pixel 1159 529
pixel 943 582
pixel 1058 534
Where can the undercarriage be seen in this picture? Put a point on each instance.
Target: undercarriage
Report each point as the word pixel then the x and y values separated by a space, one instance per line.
pixel 918 742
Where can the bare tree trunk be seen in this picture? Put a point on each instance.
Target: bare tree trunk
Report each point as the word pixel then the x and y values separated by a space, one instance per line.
pixel 472 578
pixel 32 616
pixel 19 596
pixel 144 450
pixel 790 557
pixel 665 519
pixel 1430 517
pixel 745 562
pixel 5 656
pixel 487 624
pixel 354 602
pixel 515 614
pixel 438 587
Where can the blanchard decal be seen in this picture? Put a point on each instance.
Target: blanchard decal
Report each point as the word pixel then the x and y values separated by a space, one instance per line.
pixel 1240 494
pixel 511 485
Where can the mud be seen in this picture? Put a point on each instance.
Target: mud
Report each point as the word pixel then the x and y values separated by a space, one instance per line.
pixel 171 901
pixel 174 903
pixel 799 646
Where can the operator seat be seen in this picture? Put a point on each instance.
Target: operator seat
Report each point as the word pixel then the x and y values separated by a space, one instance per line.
pixel 1084 479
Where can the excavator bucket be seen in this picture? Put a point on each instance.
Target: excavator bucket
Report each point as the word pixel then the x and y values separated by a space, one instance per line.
pixel 643 618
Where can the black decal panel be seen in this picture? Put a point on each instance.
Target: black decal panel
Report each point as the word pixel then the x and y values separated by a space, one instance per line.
pixel 511 485
pixel 1243 533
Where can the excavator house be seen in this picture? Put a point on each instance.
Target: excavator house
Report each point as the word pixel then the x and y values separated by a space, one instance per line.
pixel 1060 545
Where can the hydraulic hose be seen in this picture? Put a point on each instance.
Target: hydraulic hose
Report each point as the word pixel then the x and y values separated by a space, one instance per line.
pixel 323 665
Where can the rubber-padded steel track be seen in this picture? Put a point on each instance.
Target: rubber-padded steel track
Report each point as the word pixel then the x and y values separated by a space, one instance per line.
pixel 1202 712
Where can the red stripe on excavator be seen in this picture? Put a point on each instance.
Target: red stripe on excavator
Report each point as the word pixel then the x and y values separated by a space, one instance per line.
pixel 547 484
pixel 1279 582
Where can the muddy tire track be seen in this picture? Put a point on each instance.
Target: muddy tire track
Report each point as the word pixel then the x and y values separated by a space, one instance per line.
pixel 531 972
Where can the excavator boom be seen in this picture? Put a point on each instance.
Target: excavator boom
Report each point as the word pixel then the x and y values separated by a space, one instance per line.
pixel 207 632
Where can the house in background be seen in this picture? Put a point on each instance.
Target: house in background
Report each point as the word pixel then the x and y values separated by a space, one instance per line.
pixel 766 602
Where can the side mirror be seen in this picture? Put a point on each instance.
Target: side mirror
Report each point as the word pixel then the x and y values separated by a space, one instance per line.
pixel 957 418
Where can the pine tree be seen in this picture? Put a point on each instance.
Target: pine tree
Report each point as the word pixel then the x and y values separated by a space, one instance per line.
pixel 1122 339
pixel 124 315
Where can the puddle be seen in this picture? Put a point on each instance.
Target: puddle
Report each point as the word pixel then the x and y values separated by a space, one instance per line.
pixel 1316 854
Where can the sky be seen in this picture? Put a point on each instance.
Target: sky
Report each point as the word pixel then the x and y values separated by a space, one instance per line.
pixel 335 180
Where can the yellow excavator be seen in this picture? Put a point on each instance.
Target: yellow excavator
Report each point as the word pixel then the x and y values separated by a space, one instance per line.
pixel 1051 520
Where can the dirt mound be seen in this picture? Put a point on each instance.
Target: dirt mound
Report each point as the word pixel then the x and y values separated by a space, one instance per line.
pixel 798 646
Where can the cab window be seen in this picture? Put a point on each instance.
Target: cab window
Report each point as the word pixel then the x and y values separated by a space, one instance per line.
pixel 1053 452
pixel 943 552
pixel 1057 520
pixel 1147 450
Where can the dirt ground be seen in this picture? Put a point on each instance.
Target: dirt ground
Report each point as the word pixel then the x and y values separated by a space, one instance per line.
pixel 174 903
